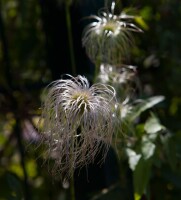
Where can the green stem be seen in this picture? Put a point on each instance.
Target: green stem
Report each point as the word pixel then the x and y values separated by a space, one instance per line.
pixel 106 3
pixel 70 37
pixel 72 189
pixel 96 71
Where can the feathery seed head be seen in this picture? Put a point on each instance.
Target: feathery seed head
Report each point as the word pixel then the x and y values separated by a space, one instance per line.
pixel 108 38
pixel 110 74
pixel 122 79
pixel 78 122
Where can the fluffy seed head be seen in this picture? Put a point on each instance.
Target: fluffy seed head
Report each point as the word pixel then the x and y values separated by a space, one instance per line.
pixel 122 79
pixel 78 122
pixel 110 74
pixel 108 38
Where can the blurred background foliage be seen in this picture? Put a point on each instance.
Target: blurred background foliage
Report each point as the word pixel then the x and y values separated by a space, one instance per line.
pixel 34 51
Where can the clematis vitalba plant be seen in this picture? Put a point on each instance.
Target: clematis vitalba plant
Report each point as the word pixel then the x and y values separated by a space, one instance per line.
pixel 81 121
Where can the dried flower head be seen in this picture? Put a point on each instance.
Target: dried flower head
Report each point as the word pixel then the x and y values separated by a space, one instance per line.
pixel 110 74
pixel 78 122
pixel 108 38
pixel 123 79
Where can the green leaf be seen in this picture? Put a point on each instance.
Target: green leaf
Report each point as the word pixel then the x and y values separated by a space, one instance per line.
pixel 16 168
pixel 141 22
pixel 3 139
pixel 170 146
pixel 153 125
pixel 148 149
pixel 137 196
pixel 133 158
pixel 146 13
pixel 31 168
pixel 144 105
pixel 140 130
pixel 141 176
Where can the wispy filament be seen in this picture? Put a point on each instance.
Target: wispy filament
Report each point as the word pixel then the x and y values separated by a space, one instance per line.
pixel 77 122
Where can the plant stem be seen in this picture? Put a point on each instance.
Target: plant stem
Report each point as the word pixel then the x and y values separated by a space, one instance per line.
pixel 6 68
pixel 70 37
pixel 72 189
pixel 96 71
pixel 106 3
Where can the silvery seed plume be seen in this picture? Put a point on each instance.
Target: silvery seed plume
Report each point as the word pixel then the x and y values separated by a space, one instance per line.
pixel 77 122
pixel 110 74
pixel 122 79
pixel 109 37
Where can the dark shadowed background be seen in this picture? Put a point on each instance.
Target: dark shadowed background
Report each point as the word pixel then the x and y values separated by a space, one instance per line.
pixel 34 51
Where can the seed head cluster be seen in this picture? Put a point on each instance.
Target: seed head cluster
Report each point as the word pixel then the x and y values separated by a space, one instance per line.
pixel 109 37
pixel 77 122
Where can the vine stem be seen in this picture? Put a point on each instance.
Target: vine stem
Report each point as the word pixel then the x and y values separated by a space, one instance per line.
pixel 70 37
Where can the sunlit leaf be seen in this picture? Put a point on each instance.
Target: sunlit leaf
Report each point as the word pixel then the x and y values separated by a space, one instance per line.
pixel 144 105
pixel 176 102
pixel 133 158
pixel 31 168
pixel 2 140
pixel 153 125
pixel 146 12
pixel 137 196
pixel 148 149
pixel 142 23
pixel 16 169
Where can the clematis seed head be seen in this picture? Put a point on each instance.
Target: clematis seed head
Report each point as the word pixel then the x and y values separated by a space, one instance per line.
pixel 78 122
pixel 108 38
